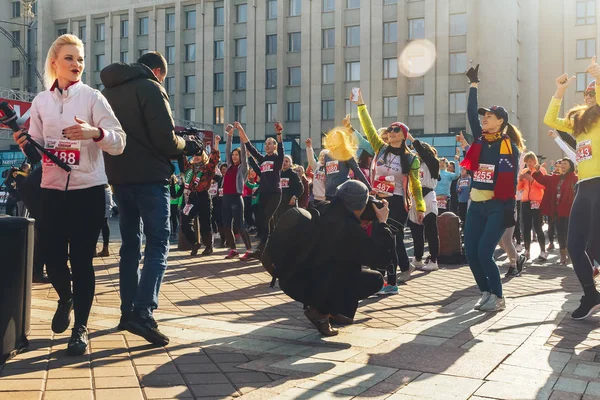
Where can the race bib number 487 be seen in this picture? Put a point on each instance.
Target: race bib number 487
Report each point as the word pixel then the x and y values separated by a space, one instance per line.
pixel 68 151
pixel 485 173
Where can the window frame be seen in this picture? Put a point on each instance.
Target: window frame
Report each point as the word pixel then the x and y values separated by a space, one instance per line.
pixel 411 105
pixel 349 35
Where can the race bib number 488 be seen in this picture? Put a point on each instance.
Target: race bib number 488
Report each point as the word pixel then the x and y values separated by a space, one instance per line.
pixel 68 151
pixel 485 173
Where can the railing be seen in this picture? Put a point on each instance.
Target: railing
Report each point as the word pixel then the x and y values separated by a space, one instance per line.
pixel 16 95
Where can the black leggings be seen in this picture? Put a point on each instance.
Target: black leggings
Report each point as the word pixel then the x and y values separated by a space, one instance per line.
pixel 202 207
pixel 217 214
pixel 517 234
pixel 562 230
pixel 398 217
pixel 233 210
pixel 532 219
pixel 69 228
pixel 267 206
pixel 105 232
pixel 430 229
pixel 248 214
pixel 584 230
pixel 174 218
pixel 462 212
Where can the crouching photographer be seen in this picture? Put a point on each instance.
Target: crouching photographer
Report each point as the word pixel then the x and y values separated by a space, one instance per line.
pixel 318 255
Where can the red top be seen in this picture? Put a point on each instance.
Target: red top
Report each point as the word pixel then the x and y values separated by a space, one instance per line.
pixel 229 180
pixel 551 203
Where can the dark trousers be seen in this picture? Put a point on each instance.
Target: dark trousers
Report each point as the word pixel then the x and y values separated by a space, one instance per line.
pixel 552 220
pixel 38 253
pixel 217 214
pixel 532 219
pixel 334 290
pixel 584 230
pixel 248 214
pixel 517 235
pixel 174 218
pixel 398 217
pixel 233 211
pixel 105 232
pixel 69 228
pixel 562 230
pixel 201 207
pixel 267 206
pixel 462 212
pixel 429 230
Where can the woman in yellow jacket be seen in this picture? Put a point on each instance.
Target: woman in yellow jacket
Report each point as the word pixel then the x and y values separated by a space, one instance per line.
pixel 584 223
pixel 532 195
pixel 394 175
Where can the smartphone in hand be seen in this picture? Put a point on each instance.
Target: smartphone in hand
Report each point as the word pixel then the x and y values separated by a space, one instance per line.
pixel 354 94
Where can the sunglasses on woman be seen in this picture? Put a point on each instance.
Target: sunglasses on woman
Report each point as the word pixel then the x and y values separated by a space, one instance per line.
pixel 396 129
pixel 590 94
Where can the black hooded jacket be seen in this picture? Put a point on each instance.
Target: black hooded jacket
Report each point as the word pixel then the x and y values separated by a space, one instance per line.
pixel 141 105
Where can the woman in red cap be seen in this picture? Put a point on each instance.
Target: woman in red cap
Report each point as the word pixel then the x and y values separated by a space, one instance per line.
pixel 395 175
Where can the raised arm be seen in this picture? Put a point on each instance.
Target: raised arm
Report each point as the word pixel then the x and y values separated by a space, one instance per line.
pixel 432 162
pixel 229 132
pixel 563 146
pixel 367 123
pixel 310 155
pixel 473 105
pixel 551 118
pixel 280 152
pixel 415 185
pixel 243 154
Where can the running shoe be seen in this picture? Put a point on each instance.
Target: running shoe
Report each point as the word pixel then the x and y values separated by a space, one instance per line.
pixel 418 264
pixel 232 254
pixel 494 304
pixel 542 257
pixel 247 255
pixel 485 296
pixel 405 275
pixel 388 289
pixel 550 247
pixel 588 306
pixel 430 266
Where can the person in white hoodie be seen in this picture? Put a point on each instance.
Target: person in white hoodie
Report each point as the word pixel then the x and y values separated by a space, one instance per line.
pixel 318 167
pixel 76 123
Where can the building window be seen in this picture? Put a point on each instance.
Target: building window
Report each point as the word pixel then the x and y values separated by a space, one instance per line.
pixel 328 73
pixel 416 28
pixel 190 52
pixel 416 104
pixel 189 114
pixel 241 14
pixel 219 115
pixel 218 82
pixel 586 48
pixel 586 12
pixel 294 42
pixel 62 31
pixel 141 52
pixel 353 36
pixel 294 76
pixel 16 68
pixel 352 3
pixel 351 109
pixel 390 68
pixel 271 112
pixel 458 63
pixel 353 71
pixel 16 9
pixel 458 103
pixel 327 110
pixel 219 49
pixel 240 80
pixel 293 110
pixel 390 32
pixel 239 114
pixel 190 84
pixel 458 24
pixel 99 62
pixel 170 56
pixel 143 27
pixel 219 16
pixel 170 85
pixel 124 58
pixel 328 5
pixel 295 7
pixel 82 34
pixel 390 106
pixel 124 28
pixel 390 1
pixel 100 32
pixel 271 81
pixel 170 22
pixel 328 38
pixel 271 44
pixel 190 19
pixel 272 9
pixel 583 80
pixel 240 47
pixel 16 37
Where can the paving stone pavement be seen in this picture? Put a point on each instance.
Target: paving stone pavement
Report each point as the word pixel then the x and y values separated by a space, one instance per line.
pixel 234 337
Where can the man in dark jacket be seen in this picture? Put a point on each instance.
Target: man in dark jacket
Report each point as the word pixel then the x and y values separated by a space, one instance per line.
pixel 331 280
pixel 140 179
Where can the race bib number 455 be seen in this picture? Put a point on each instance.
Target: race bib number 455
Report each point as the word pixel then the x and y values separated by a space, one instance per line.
pixel 68 151
pixel 485 173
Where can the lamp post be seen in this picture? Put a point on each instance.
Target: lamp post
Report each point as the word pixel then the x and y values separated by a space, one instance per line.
pixel 29 20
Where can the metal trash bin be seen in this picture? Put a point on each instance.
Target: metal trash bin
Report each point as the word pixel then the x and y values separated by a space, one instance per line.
pixel 16 269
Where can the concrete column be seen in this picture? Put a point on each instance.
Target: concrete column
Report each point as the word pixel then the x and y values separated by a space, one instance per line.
pixel 371 62
pixel 179 57
pixel 305 66
pixel 431 15
pixel 205 52
pixel 253 40
pixel 340 86
pixel 228 61
pixel 315 76
pixel 282 49
pixel 441 69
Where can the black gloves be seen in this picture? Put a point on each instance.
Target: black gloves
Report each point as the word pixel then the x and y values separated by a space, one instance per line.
pixel 473 74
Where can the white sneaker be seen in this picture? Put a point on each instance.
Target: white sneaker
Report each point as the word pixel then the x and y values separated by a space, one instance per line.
pixel 543 256
pixel 431 266
pixel 485 296
pixel 519 248
pixel 494 304
pixel 404 276
pixel 418 264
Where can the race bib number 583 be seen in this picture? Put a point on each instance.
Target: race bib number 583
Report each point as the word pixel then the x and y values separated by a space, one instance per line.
pixel 68 151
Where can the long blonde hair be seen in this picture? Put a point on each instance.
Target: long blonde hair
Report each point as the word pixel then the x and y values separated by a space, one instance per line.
pixel 64 40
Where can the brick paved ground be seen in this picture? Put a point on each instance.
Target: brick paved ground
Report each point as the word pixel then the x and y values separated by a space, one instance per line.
pixel 233 336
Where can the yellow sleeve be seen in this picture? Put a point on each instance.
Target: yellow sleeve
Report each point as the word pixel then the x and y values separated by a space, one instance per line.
pixel 551 118
pixel 415 185
pixel 369 128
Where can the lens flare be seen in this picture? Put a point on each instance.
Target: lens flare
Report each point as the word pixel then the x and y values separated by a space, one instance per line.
pixel 417 58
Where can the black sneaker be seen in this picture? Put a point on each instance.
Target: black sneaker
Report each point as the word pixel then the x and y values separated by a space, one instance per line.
pixel 78 342
pixel 124 321
pixel 148 329
pixel 62 316
pixel 512 272
pixel 520 263
pixel 589 305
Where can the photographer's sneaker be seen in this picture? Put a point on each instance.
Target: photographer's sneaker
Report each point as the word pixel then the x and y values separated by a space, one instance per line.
pixel 388 289
pixel 485 296
pixel 493 304
pixel 430 266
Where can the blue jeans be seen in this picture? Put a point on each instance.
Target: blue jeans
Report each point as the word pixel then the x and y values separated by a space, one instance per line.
pixel 483 230
pixel 146 203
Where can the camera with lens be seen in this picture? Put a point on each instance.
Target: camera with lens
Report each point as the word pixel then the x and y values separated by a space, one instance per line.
pixel 194 143
pixel 369 213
